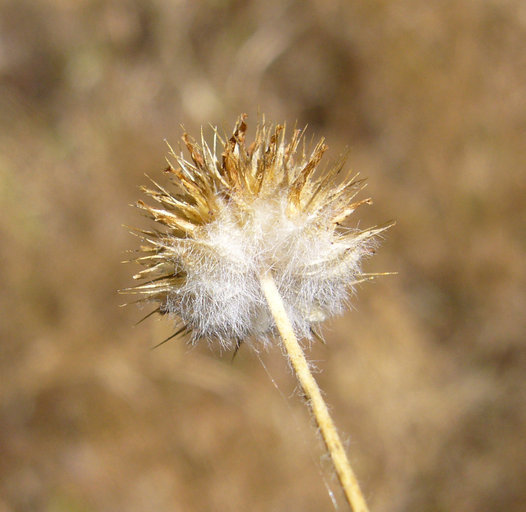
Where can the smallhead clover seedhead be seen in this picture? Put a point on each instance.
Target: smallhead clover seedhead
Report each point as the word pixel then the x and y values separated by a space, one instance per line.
pixel 237 210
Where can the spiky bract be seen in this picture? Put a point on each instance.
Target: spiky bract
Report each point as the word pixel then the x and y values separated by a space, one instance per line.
pixel 235 214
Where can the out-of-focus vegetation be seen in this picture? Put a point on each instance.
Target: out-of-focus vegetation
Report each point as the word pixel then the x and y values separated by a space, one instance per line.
pixel 425 375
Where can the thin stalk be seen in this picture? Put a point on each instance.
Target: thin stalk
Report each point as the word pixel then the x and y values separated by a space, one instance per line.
pixel 314 399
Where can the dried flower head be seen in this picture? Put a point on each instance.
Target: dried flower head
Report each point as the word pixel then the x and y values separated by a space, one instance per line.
pixel 239 210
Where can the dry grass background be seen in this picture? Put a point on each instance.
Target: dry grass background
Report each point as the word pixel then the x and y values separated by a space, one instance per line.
pixel 425 376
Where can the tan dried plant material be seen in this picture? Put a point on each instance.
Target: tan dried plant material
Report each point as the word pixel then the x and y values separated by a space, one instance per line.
pixel 232 212
pixel 251 243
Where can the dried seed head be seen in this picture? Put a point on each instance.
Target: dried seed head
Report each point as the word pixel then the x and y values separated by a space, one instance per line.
pixel 233 215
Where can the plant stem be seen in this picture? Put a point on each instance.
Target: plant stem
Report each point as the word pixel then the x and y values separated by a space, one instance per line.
pixel 313 395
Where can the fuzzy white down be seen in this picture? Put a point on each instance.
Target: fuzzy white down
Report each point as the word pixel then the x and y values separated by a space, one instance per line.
pixel 222 299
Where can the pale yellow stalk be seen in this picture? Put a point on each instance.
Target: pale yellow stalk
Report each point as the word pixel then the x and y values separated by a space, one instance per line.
pixel 348 481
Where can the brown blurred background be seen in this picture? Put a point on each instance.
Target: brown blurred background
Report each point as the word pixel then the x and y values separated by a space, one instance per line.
pixel 425 376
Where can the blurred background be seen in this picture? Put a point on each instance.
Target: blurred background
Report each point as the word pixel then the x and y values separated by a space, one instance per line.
pixel 425 376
